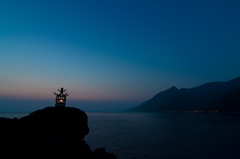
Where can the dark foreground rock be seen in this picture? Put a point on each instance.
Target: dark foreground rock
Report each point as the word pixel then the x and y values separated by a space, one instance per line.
pixel 50 133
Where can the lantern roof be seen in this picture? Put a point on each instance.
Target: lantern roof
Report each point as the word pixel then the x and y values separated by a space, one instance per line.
pixel 61 92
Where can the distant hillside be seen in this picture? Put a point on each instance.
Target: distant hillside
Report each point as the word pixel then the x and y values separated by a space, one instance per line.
pixel 214 96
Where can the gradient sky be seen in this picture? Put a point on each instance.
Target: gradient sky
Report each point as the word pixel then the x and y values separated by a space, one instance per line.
pixel 115 50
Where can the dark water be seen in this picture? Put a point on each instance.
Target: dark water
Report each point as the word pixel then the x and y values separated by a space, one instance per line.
pixel 166 135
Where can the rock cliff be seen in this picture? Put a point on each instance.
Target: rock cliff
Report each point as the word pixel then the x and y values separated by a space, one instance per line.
pixel 50 133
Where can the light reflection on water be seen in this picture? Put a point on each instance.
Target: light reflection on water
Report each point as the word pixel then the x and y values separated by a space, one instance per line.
pixel 165 135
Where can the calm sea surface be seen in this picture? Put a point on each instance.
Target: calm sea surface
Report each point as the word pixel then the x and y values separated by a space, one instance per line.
pixel 166 135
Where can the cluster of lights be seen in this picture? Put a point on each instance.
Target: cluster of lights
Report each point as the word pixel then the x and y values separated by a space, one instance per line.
pixel 198 111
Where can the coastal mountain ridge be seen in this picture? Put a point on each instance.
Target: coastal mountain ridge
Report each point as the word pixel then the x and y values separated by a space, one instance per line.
pixel 209 97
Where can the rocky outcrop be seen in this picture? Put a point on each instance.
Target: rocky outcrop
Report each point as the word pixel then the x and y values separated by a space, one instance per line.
pixel 50 133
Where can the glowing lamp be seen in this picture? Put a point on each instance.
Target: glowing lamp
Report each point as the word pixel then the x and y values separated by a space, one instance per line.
pixel 61 98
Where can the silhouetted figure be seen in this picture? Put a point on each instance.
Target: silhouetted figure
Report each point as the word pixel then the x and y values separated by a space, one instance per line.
pixel 61 98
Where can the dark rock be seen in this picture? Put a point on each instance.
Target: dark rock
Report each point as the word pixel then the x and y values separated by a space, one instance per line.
pixel 228 102
pixel 50 133
pixel 5 123
pixel 102 154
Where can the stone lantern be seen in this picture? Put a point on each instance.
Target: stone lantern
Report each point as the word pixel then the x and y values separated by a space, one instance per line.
pixel 61 98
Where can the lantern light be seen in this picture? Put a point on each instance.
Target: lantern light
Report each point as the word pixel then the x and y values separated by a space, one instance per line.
pixel 61 98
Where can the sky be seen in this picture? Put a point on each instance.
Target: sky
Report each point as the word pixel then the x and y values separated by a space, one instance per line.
pixel 113 55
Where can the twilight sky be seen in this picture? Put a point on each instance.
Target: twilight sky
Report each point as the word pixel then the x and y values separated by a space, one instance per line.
pixel 114 51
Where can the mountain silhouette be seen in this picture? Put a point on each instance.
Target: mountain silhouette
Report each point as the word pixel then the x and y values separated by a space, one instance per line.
pixel 213 96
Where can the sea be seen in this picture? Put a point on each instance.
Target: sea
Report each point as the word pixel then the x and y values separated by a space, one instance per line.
pixel 165 135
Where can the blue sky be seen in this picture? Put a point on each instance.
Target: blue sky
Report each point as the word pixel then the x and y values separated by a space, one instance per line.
pixel 115 51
